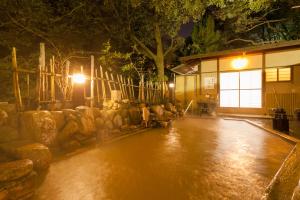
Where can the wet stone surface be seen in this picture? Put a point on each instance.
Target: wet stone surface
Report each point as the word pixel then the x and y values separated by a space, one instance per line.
pixel 194 159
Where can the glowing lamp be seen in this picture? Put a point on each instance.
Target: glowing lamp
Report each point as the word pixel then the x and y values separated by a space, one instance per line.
pixel 78 78
pixel 171 85
pixel 239 63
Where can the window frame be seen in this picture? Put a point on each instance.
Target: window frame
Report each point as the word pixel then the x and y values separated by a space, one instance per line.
pixel 239 89
pixel 277 74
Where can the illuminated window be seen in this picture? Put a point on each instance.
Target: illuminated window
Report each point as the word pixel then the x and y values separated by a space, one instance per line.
pixel 271 74
pixel 284 74
pixel 241 89
pixel 278 74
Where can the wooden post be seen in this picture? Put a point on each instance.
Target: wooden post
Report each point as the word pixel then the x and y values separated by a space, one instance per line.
pixel 92 81
pixel 16 85
pixel 97 87
pixel 52 81
pixel 84 93
pixel 42 62
pixel 132 89
pixel 103 84
pixel 113 83
pixel 46 82
pixel 28 89
pixel 129 89
pixel 121 87
pixel 143 89
pixel 124 87
pixel 108 82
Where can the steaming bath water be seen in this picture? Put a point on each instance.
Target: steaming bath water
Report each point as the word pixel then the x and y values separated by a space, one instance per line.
pixel 194 159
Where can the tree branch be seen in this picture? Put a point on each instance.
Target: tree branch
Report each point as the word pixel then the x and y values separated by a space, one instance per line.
pixel 146 50
pixel 14 21
pixel 265 22
pixel 242 40
pixel 68 14
pixel 171 47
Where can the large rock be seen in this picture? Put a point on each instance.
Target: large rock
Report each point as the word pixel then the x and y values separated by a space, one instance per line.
pixel 14 170
pixel 87 121
pixel 111 114
pixel 38 153
pixel 99 123
pixel 68 130
pixel 22 188
pixel 135 117
pixel 38 125
pixel 108 125
pixel 70 114
pixel 59 118
pixel 8 134
pixel 117 121
pixel 96 112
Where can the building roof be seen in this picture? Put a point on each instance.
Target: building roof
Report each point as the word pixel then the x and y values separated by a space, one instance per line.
pixel 250 49
pixel 189 62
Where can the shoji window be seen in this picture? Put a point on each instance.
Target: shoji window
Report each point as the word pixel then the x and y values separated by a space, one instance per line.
pixel 278 74
pixel 241 89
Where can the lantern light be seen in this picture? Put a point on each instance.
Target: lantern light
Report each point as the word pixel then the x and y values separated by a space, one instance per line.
pixel 79 78
pixel 239 63
pixel 171 85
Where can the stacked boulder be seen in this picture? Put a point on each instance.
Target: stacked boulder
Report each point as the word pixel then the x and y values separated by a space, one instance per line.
pixel 17 179
pixel 23 150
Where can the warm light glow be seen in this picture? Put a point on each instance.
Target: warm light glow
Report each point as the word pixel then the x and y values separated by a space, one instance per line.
pixel 239 63
pixel 78 78
pixel 171 85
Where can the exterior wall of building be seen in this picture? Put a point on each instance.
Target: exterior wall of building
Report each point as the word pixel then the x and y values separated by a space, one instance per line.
pixel 286 95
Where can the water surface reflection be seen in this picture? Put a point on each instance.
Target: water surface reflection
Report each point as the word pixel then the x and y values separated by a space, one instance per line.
pixel 194 159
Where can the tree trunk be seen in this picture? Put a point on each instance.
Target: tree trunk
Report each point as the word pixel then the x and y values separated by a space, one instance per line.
pixel 159 61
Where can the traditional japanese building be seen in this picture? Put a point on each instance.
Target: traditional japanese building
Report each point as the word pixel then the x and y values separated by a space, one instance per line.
pixel 248 80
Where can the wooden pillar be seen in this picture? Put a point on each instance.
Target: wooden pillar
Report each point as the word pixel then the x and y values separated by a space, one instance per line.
pixel 124 86
pixel 120 85
pixel 28 89
pixel 84 92
pixel 16 85
pixel 108 82
pixel 103 84
pixel 97 87
pixel 92 81
pixel 132 88
pixel 52 81
pixel 113 81
pixel 42 62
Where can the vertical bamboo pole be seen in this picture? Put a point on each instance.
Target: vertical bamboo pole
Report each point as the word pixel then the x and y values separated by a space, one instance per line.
pixel 103 84
pixel 108 82
pixel 129 89
pixel 46 82
pixel 16 85
pixel 52 81
pixel 28 89
pixel 97 87
pixel 84 93
pixel 143 88
pixel 66 81
pixel 113 83
pixel 124 87
pixel 92 81
pixel 132 88
pixel 121 88
pixel 42 62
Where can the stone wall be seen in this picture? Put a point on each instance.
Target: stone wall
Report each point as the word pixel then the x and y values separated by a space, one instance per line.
pixel 27 137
